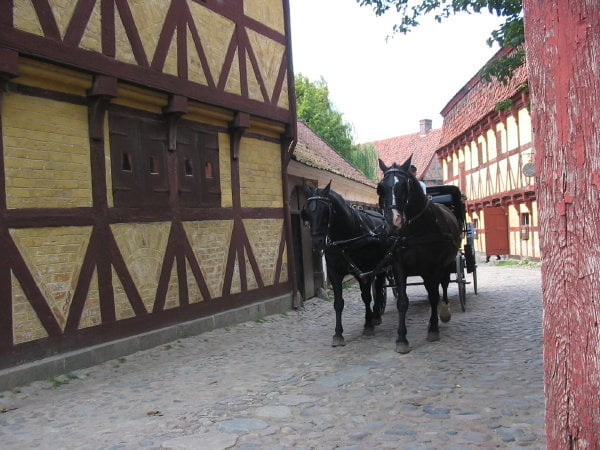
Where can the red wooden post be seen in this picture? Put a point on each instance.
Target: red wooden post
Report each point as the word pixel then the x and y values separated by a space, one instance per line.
pixel 563 54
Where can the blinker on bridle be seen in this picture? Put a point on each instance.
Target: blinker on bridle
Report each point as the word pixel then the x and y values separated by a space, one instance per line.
pixel 405 173
pixel 327 201
pixel 393 205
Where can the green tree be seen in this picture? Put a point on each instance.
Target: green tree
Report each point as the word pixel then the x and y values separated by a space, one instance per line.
pixel 511 32
pixel 315 109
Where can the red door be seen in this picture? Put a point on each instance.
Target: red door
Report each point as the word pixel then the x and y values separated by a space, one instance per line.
pixel 496 231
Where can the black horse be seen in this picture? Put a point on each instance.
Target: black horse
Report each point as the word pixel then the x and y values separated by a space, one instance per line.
pixel 351 241
pixel 427 238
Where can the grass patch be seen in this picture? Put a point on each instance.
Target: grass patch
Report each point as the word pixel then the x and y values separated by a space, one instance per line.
pixel 260 319
pixel 56 383
pixel 522 263
pixel 348 284
pixel 507 263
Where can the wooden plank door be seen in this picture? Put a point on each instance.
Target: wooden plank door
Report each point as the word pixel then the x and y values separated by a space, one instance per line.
pixel 496 231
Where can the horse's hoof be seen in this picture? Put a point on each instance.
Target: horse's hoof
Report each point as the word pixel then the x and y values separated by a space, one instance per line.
pixel 369 331
pixel 445 314
pixel 433 336
pixel 338 341
pixel 402 347
pixel 377 321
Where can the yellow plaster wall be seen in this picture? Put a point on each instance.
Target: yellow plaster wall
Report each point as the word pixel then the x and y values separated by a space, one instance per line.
pixel 502 129
pixel 46 153
pixel 269 12
pixel 260 173
pixel 525 133
pixel 92 37
pixel 215 33
pixel 225 170
pixel 269 54
pixel 491 144
pixel 142 246
pixel 210 241
pixel 512 132
pixel 91 316
pixel 26 325
pixel 152 19
pixel 265 236
pixel 25 17
pixel 54 257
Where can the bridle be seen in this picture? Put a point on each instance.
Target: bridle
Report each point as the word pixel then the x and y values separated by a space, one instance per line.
pixel 406 222
pixel 327 201
pixel 328 241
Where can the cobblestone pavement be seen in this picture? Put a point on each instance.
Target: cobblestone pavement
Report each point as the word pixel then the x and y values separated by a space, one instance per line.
pixel 277 383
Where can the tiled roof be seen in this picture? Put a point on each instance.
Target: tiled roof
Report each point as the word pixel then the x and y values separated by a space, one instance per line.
pixel 398 149
pixel 476 100
pixel 315 152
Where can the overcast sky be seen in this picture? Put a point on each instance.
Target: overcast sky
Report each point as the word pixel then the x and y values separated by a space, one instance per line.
pixel 384 88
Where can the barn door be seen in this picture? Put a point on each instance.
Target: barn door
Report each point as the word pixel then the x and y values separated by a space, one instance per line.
pixel 496 231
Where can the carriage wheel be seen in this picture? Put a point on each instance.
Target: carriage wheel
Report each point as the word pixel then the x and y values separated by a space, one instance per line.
pixel 461 281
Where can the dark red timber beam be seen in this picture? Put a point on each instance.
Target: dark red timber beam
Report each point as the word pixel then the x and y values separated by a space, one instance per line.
pixel 8 69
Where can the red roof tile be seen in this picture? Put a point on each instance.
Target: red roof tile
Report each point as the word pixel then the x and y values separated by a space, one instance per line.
pixel 315 152
pixel 398 149
pixel 475 101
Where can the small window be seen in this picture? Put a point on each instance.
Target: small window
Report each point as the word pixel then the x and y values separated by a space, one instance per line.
pixel 153 160
pixel 138 147
pixel 525 229
pixel 189 169
pixel 208 170
pixel 126 162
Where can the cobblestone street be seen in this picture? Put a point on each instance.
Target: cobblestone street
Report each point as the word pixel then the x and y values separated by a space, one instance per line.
pixel 277 383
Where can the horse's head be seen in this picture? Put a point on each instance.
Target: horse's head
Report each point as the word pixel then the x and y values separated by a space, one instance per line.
pixel 318 214
pixel 394 192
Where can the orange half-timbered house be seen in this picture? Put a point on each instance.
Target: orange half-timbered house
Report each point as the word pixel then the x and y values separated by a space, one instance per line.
pixel 488 154
pixel 143 150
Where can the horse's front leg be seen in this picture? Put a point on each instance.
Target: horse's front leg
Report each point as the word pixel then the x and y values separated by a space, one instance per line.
pixel 379 298
pixel 402 305
pixel 338 305
pixel 445 313
pixel 365 293
pixel 433 292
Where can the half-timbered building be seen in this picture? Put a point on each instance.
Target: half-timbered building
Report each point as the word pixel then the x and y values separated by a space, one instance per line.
pixel 143 151
pixel 487 152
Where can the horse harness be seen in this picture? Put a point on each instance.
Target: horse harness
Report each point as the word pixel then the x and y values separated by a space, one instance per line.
pixel 346 245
